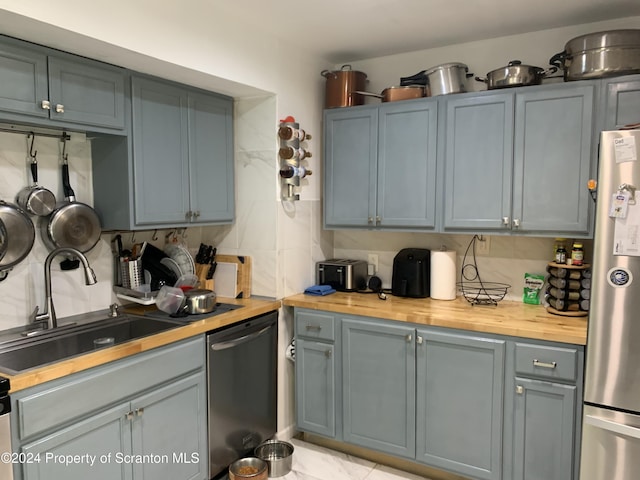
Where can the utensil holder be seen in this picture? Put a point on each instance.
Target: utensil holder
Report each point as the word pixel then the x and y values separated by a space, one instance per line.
pixel 132 273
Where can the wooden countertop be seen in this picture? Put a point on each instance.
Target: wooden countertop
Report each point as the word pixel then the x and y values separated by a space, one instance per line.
pixel 251 308
pixel 507 318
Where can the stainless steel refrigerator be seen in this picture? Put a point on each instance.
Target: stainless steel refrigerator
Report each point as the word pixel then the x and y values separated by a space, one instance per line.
pixel 611 417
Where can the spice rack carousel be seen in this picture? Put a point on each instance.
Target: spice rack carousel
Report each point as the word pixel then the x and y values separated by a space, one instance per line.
pixel 568 289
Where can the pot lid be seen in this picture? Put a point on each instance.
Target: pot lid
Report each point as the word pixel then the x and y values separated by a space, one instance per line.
pixel 516 65
pixel 606 39
pixel 446 66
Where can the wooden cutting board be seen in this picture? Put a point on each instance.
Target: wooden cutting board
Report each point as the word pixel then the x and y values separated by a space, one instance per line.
pixel 233 276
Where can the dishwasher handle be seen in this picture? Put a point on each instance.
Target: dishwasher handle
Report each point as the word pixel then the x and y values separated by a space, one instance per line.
pixel 240 340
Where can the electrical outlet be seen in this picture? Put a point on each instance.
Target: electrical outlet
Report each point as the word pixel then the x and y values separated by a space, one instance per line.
pixel 372 259
pixel 483 245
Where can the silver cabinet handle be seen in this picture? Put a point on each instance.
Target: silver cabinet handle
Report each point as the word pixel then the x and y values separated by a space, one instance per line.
pixel 196 214
pixel 516 222
pixel 327 353
pixel 505 221
pixel 378 219
pixel 370 220
pixel 188 215
pixel 419 340
pixel 519 389
pixel 129 416
pixel 314 328
pixel 538 363
pixel 139 411
pixel 46 105
pixel 409 338
pixel 59 108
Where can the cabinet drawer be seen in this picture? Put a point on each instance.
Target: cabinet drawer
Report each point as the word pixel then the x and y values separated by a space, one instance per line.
pixel 546 361
pixel 315 325
pixel 73 397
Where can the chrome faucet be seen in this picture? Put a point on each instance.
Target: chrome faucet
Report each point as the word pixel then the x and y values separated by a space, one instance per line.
pixel 49 313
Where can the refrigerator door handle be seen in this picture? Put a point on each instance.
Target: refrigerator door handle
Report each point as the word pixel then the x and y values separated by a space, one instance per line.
pixel 612 426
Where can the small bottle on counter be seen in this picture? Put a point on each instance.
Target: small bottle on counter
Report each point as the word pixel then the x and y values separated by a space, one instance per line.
pixel 289 171
pixel 560 251
pixel 577 254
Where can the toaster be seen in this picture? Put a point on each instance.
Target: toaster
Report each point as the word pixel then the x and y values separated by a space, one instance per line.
pixel 411 273
pixel 342 274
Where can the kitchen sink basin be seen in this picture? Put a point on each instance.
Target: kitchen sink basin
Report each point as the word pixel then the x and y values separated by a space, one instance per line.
pixel 66 342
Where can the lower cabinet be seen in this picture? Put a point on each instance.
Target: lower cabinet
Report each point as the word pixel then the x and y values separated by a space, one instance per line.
pixel 544 424
pixel 483 406
pixel 379 386
pixel 157 432
pixel 460 387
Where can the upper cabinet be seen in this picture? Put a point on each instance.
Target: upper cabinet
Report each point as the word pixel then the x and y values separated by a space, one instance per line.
pixel 519 161
pixel 56 90
pixel 509 161
pixel 620 103
pixel 380 166
pixel 176 169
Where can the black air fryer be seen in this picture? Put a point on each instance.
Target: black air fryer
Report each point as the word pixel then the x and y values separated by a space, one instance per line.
pixel 411 273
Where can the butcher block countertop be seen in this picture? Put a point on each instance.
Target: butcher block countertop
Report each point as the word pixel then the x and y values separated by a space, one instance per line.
pixel 251 308
pixel 507 318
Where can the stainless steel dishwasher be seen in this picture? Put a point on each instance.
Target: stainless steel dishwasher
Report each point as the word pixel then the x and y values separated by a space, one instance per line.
pixel 242 388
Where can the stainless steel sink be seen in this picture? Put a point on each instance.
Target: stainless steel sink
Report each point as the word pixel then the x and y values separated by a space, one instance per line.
pixel 66 342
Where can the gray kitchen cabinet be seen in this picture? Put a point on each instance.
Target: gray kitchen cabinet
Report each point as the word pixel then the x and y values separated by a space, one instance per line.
pixel 620 103
pixel 315 373
pixel 478 161
pixel 543 408
pixel 176 169
pixel 57 90
pixel 380 166
pixel 379 386
pixel 151 405
pixel 460 383
pixel 544 424
pixel 518 162
pixel 182 155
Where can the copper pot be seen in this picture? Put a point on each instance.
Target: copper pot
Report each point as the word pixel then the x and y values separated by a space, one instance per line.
pixel 342 86
pixel 394 94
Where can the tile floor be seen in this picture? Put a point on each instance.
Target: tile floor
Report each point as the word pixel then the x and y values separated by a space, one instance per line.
pixel 312 462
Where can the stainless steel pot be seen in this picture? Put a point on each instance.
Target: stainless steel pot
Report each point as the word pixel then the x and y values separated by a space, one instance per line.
pixel 442 79
pixel 72 224
pixel 342 85
pixel 19 239
pixel 600 54
pixel 394 94
pixel 199 300
pixel 515 75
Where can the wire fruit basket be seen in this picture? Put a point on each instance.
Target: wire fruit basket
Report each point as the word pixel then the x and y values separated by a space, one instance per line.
pixel 473 289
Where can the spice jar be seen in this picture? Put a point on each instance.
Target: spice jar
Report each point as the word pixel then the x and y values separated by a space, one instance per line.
pixel 577 254
pixel 560 252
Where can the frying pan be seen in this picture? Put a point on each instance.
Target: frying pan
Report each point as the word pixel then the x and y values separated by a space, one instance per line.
pixel 72 224
pixel 35 199
pixel 20 242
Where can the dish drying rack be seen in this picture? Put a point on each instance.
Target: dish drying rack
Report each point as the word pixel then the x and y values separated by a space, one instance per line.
pixel 474 290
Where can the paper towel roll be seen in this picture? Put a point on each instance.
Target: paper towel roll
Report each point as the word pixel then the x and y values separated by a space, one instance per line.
pixel 443 274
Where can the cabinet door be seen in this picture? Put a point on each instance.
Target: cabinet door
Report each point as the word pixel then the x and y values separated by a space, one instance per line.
pixel 211 158
pixel 315 387
pixel 407 139
pixel 478 162
pixel 350 166
pixel 97 441
pixel 379 386
pixel 170 425
pixel 24 80
pixel 553 159
pixel 85 93
pixel 622 102
pixel 160 146
pixel 459 403
pixel 543 430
